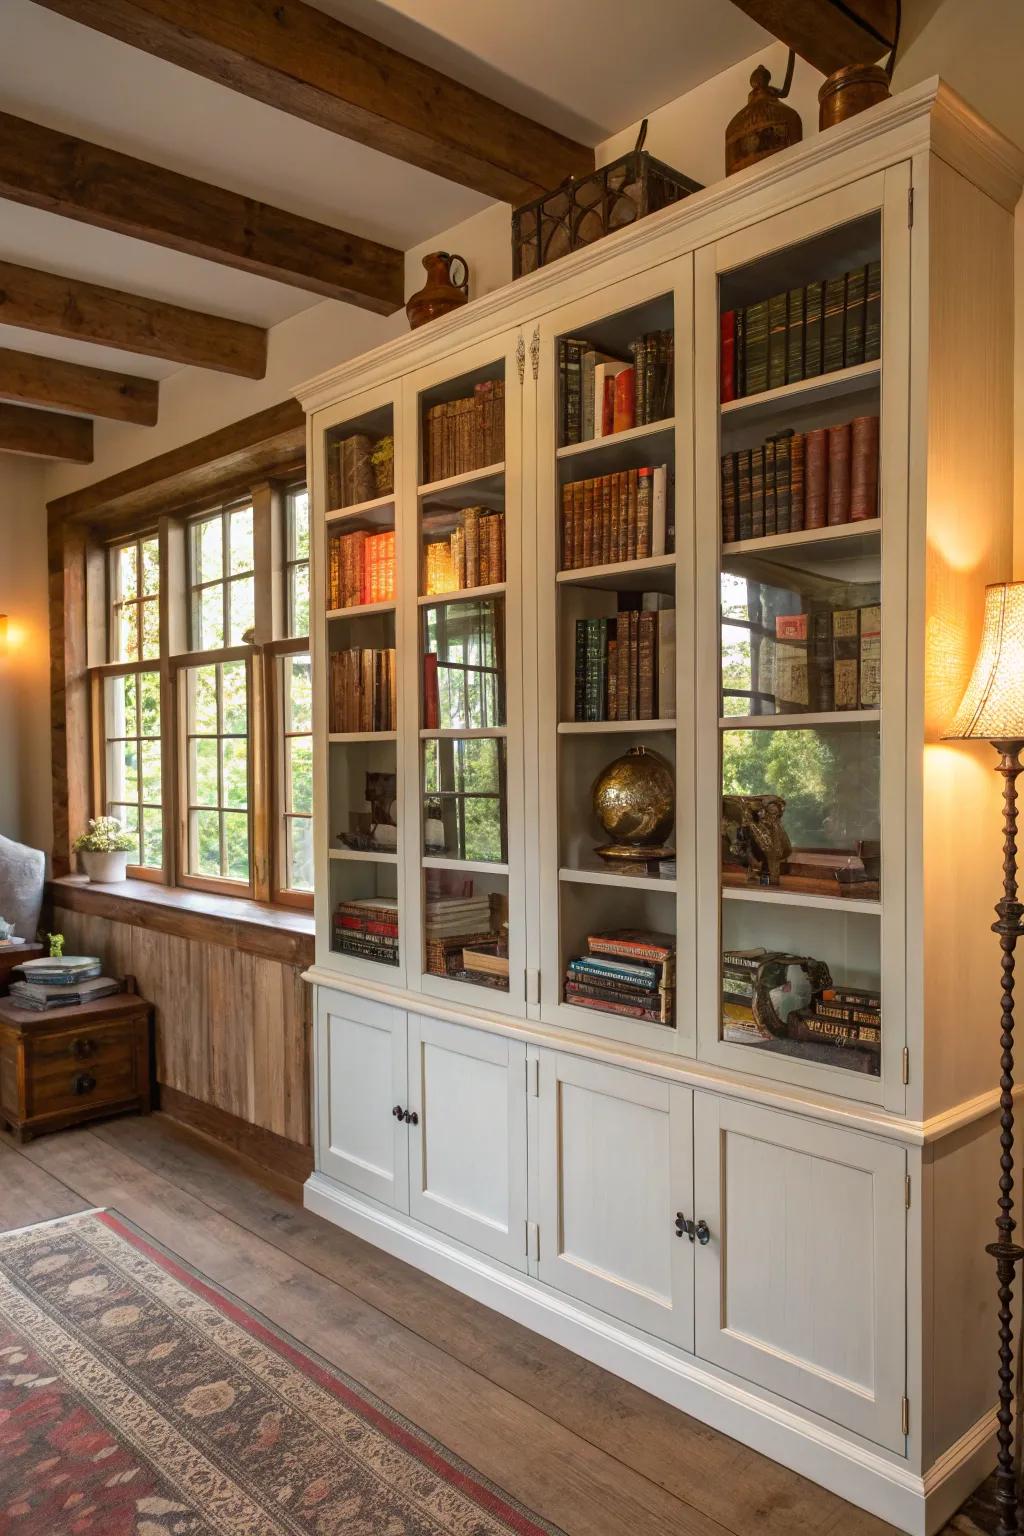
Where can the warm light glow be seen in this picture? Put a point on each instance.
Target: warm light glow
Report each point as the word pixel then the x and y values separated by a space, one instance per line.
pixel 3 634
pixel 992 708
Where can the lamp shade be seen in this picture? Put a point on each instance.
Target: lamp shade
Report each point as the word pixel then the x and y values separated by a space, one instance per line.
pixel 992 708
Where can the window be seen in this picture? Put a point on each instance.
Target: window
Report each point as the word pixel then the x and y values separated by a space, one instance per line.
pixel 222 579
pixel 133 766
pixel 134 630
pixel 202 699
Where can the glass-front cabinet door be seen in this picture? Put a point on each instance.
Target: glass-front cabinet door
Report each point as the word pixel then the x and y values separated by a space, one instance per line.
pixel 357 453
pixel 802 343
pixel 615 557
pixel 463 668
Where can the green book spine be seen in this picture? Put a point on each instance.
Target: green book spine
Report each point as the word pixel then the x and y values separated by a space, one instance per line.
pixel 873 311
pixel 833 330
pixel 782 482
pixel 854 346
pixel 745 495
pixel 580 676
pixel 770 518
pixel 777 340
pixel 756 349
pixel 757 493
pixel 730 527
pixel 795 337
pixel 595 688
pixel 814 299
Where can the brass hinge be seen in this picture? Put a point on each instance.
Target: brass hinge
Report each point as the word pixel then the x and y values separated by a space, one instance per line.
pixel 521 357
pixel 910 208
pixel 905 1415
pixel 906 1191
pixel 535 351
pixel 906 1064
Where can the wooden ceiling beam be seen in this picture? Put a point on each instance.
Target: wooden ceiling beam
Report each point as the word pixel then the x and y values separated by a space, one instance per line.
pixel 45 434
pixel 63 306
pixel 29 379
pixel 829 34
pixel 295 57
pixel 70 176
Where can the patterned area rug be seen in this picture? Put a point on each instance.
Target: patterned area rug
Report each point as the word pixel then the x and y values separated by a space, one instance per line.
pixel 137 1399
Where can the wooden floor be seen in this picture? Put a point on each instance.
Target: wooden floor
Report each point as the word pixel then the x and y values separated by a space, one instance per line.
pixel 586 1450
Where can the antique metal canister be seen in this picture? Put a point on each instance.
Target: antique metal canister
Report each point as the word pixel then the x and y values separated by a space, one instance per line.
pixel 764 125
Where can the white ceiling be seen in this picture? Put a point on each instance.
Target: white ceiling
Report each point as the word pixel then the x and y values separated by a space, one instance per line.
pixel 548 58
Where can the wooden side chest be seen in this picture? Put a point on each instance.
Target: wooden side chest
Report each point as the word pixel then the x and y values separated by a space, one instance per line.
pixel 73 1064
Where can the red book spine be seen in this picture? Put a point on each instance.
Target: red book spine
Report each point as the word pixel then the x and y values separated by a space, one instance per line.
pixel 625 400
pixel 816 479
pixel 863 468
pixel 839 475
pixel 608 419
pixel 728 355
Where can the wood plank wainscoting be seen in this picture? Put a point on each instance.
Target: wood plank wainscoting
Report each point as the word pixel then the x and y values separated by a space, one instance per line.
pixel 232 1013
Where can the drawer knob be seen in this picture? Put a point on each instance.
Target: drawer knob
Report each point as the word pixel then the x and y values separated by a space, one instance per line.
pixel 82 1048
pixel 411 1117
pixel 84 1082
pixel 398 1112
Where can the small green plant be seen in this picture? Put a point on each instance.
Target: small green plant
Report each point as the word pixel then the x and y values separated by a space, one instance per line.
pixel 105 834
pixel 56 945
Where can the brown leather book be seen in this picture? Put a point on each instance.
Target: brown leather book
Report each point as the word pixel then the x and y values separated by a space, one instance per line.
pixel 577 523
pixel 797 462
pixel 566 556
pixel 863 468
pixel 631 525
pixel 623 479
pixel 588 522
pixel 622 665
pixel 816 478
pixel 839 475
pixel 647 626
pixel 605 487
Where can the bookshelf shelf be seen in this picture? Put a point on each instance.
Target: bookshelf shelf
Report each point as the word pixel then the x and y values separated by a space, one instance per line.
pixel 868 531
pixel 612 727
pixel 367 509
pixel 825 386
pixel 457 733
pixel 360 610
pixel 799 722
pixel 614 878
pixel 342 738
pixel 482 480
pixel 492 589
pixel 463 866
pixel 663 428
pixel 362 856
pixel 802 899
pixel 655 574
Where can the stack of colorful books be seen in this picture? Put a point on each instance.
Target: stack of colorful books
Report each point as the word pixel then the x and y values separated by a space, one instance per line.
pixel 53 983
pixel 627 971
pixel 368 928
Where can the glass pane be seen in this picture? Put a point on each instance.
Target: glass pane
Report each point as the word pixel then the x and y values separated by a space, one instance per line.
pixel 825 784
pixel 127 572
pixel 202 691
pixel 298 533
pixel 150 567
pixel 235 698
pixel 121 716
pixel 152 839
pixel 207 553
pixel 128 816
pixel 463 672
pixel 149 700
pixel 203 788
pixel 209 619
pixel 298 693
pixel 236 842
pixel 124 778
pixel 150 628
pixel 464 814
pixel 300 774
pixel 150 767
pixel 299 848
pixel 235 757
pixel 205 842
pixel 242 598
pixel 127 632
pixel 240 537
pixel 298 600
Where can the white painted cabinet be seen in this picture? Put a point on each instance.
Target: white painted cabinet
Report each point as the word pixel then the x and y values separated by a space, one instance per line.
pixel 362 1076
pixel 615 1169
pixel 802 1286
pixel 467 1153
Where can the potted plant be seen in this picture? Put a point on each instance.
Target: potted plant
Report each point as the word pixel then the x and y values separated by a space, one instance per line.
pixel 103 850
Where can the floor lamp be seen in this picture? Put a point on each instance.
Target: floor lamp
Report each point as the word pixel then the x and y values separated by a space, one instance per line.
pixel 992 710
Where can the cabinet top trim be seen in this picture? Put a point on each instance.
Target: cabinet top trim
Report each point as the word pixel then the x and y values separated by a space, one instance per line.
pixel 928 116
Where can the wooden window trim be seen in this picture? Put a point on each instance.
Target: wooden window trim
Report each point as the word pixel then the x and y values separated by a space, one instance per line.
pixel 275 756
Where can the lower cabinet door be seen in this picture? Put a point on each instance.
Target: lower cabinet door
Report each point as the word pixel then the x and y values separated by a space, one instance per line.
pixel 467 1151
pixel 615 1169
pixel 802 1286
pixel 362 1076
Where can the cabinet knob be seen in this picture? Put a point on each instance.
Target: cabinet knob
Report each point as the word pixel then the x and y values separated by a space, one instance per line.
pixel 703 1233
pixel 83 1047
pixel 411 1117
pixel 84 1082
pixel 398 1112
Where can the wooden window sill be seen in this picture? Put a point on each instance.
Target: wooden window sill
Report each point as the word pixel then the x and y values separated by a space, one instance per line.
pixel 277 933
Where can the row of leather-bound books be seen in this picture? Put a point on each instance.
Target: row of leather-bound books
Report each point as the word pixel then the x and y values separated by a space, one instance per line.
pixel 801 480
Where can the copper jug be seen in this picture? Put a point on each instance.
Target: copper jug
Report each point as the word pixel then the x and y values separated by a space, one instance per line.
pixel 764 125
pixel 439 294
